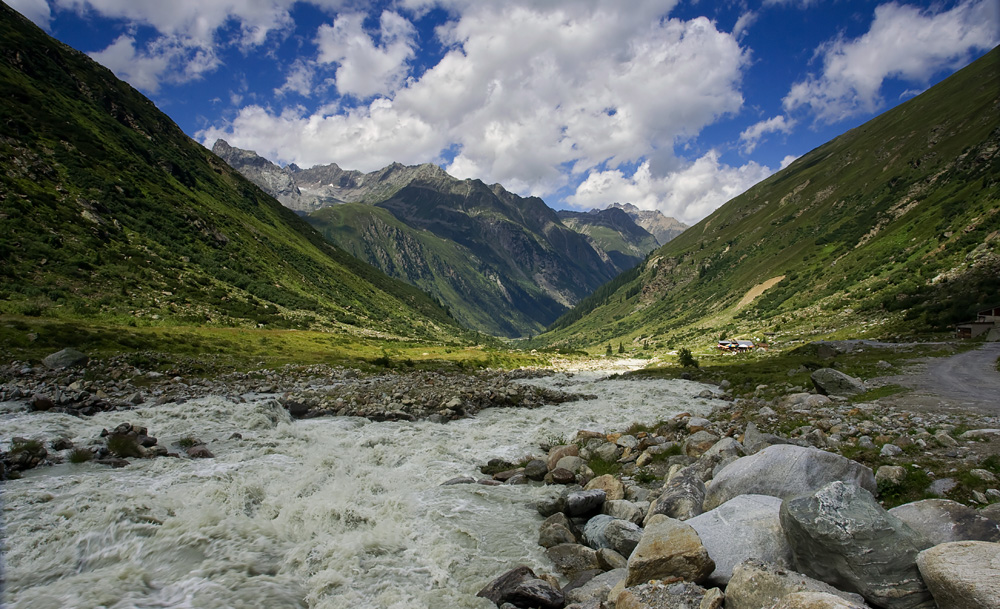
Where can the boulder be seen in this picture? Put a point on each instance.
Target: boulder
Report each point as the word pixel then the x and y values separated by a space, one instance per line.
pixel 200 451
pixel 609 560
pixel 593 531
pixel 560 476
pixel 597 588
pixel 571 559
pixel 757 585
pixel 963 574
pixel 536 593
pixel 743 527
pixel 571 463
pixel 558 452
pixel 555 530
pixel 500 588
pixel 841 535
pixel 612 487
pixel 624 510
pixel 783 471
pixel 622 536
pixel 67 358
pixel 657 595
pixel 699 442
pixel 535 469
pixel 755 440
pixel 725 448
pixel 889 476
pixel 682 496
pixel 815 600
pixel 668 548
pixel 940 521
pixel 584 503
pixel 834 382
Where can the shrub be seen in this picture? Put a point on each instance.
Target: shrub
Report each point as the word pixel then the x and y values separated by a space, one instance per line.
pixel 123 446
pixel 80 455
pixel 686 359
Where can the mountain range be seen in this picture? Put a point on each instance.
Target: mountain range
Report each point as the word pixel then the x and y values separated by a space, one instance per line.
pixel 110 212
pixel 503 264
pixel 891 229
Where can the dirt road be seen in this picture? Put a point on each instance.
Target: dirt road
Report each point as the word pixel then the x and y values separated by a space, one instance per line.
pixel 968 381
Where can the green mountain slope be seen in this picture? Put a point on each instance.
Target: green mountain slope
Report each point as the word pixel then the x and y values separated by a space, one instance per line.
pixel 892 228
pixel 503 264
pixel 614 231
pixel 109 211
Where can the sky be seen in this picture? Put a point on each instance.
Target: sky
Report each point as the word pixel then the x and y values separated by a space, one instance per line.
pixel 667 104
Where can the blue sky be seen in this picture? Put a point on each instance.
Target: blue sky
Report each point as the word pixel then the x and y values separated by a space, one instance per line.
pixel 672 105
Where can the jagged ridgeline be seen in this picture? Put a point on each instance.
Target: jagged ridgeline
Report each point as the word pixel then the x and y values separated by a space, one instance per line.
pixel 110 211
pixel 890 229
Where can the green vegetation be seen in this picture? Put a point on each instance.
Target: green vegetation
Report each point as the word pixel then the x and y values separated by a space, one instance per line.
pixel 80 455
pixel 685 359
pixel 601 466
pixel 124 446
pixel 888 230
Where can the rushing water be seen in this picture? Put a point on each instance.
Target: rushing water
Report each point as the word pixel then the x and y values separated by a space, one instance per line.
pixel 326 513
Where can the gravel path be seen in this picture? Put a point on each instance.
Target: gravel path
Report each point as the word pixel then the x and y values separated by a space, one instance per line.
pixel 966 380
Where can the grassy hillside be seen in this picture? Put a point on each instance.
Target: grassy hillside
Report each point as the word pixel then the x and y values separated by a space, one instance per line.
pixel 111 213
pixel 890 229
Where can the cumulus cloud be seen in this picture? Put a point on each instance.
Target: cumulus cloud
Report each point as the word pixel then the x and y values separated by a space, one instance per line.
pixel 35 10
pixel 689 194
pixel 166 58
pixel 298 80
pixel 752 135
pixel 903 42
pixel 365 68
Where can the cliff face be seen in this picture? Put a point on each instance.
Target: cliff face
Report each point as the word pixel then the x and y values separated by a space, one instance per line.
pixel 664 228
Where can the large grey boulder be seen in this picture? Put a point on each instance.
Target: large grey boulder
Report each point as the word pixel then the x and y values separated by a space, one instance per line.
pixel 594 531
pixel 668 548
pixel 66 358
pixel 963 574
pixel 742 528
pixel 624 510
pixel 758 585
pixel 834 382
pixel 571 559
pixel 814 600
pixel 583 503
pixel 682 496
pixel 784 471
pixel 841 535
pixel 597 588
pixel 623 536
pixel 940 521
pixel 678 595
pixel 555 530
pixel 500 588
pixel 537 594
pixel 755 440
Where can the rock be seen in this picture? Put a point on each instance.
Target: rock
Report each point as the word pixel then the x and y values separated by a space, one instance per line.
pixel 609 560
pixel 784 471
pixel 622 536
pixel 668 548
pixel 535 469
pixel 829 381
pixel 699 442
pixel 942 486
pixel 594 531
pixel 980 434
pixel 940 521
pixel 888 476
pixel 725 448
pixel 573 464
pixel 612 487
pixel 500 588
pixel 943 439
pixel 984 474
pixel 656 595
pixel 696 424
pixel 571 559
pixel 841 535
pixel 67 358
pixel 560 476
pixel 608 452
pixel 558 452
pixel 742 528
pixel 815 600
pixel 556 530
pixel 757 585
pixel 41 403
pixel 597 588
pixel 682 496
pixel 583 503
pixel 536 593
pixel 459 480
pixel 627 442
pixel 200 451
pixel 963 574
pixel 755 441
pixel 890 450
pixel 623 510
pixel 991 511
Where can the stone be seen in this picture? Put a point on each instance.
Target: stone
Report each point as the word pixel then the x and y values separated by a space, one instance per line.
pixel 500 588
pixel 200 451
pixel 622 536
pixel 571 559
pixel 890 450
pixel 943 439
pixel 814 600
pixel 980 434
pixel 536 593
pixel 725 448
pixel 459 480
pixel 756 585
pixel 755 441
pixel 991 511
pixel 940 521
pixel 657 595
pixel 573 464
pixel 608 452
pixel 829 381
pixel 841 535
pixel 682 496
pixel 698 443
pixel 560 476
pixel 583 503
pixel 555 530
pixel 535 469
pixel 696 424
pixel 942 486
pixel 888 476
pixel 593 531
pixel 742 528
pixel 613 489
pixel 609 560
pixel 623 509
pixel 597 588
pixel 627 442
pixel 783 471
pixel 558 452
pixel 984 474
pixel 668 548
pixel 41 403
pixel 66 358
pixel 963 574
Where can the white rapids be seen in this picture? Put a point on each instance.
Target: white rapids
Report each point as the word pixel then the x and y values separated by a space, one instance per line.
pixel 325 513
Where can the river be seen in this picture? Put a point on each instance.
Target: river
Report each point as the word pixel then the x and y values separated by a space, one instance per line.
pixel 330 513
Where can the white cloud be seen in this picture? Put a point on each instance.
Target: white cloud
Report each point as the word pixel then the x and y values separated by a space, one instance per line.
pixel 141 69
pixel 366 68
pixel 688 195
pixel 35 10
pixel 298 80
pixel 752 135
pixel 788 160
pixel 903 42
